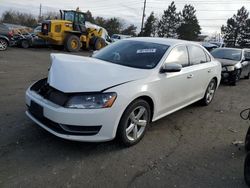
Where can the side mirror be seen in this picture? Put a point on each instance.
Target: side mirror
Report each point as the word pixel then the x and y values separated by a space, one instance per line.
pixel 170 67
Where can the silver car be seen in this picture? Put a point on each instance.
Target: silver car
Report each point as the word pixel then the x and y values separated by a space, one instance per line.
pixel 235 63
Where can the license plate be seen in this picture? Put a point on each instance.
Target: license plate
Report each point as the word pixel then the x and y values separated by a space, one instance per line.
pixel 36 109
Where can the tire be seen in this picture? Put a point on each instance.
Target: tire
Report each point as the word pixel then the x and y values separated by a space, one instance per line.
pixel 129 132
pixel 236 77
pixel 247 140
pixel 247 169
pixel 99 43
pixel 210 91
pixel 248 76
pixel 72 43
pixel 25 44
pixel 3 44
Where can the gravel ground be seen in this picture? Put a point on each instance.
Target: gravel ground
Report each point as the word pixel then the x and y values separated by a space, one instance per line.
pixel 190 148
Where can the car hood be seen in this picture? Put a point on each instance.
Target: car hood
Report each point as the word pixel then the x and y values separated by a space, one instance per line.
pixel 227 62
pixel 71 73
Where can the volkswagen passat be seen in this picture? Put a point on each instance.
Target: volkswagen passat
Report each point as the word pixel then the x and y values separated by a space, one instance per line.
pixel 122 88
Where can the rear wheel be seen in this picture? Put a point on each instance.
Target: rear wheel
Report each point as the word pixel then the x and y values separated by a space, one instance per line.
pixel 209 95
pixel 134 122
pixel 72 43
pixel 25 44
pixel 3 44
pixel 97 43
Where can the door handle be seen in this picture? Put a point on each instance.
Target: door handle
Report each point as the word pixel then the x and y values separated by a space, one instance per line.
pixel 190 76
pixel 209 71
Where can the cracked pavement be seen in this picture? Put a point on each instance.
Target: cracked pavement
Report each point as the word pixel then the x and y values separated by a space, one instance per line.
pixel 189 148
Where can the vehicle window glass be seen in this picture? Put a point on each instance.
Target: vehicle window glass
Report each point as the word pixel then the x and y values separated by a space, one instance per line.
pixel 178 55
pixel 81 19
pixel 207 57
pixel 196 55
pixel 247 54
pixel 137 54
pixel 231 54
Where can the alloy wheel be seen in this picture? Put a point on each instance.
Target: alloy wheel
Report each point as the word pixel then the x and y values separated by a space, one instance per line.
pixel 3 45
pixel 136 123
pixel 210 92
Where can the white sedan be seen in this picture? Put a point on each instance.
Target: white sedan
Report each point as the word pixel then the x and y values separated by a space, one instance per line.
pixel 121 89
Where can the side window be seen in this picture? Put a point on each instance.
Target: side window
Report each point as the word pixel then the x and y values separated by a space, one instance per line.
pixel 247 54
pixel 196 55
pixel 178 55
pixel 207 57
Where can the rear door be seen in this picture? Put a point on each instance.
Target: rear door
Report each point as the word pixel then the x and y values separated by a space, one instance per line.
pixel 201 71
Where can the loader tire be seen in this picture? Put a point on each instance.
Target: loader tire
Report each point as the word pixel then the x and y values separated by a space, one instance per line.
pixel 72 43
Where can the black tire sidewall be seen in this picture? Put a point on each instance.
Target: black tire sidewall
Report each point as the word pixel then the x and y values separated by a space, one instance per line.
pixel 68 43
pixel 121 131
pixel 24 44
pixel 247 169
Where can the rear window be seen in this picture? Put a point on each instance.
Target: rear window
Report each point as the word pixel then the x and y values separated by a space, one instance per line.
pixel 137 54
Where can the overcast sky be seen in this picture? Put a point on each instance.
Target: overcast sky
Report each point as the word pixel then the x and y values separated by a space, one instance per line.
pixel 211 13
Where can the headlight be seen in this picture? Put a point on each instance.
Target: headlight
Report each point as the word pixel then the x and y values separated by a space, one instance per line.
pixel 230 68
pixel 92 101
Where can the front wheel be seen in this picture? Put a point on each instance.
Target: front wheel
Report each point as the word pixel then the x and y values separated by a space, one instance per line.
pixel 72 43
pixel 134 122
pixel 209 95
pixel 236 77
pixel 248 76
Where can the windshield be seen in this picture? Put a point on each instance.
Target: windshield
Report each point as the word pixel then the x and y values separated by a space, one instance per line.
pixel 69 16
pixel 137 54
pixel 231 54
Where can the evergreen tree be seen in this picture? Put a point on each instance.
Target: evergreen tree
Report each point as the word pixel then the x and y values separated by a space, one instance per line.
pixel 169 22
pixel 189 28
pixel 89 17
pixel 130 30
pixel 149 29
pixel 236 32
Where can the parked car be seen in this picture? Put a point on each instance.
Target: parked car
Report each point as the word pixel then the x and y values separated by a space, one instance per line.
pixel 38 29
pixel 6 33
pixel 122 88
pixel 235 63
pixel 4 42
pixel 116 37
pixel 209 46
pixel 29 40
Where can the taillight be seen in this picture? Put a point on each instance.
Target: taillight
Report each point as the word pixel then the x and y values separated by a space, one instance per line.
pixel 10 33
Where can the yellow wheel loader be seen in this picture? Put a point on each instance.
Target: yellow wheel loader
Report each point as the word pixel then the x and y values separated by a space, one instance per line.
pixel 71 32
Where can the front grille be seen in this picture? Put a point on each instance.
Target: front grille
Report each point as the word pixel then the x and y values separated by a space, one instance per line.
pixel 65 129
pixel 42 88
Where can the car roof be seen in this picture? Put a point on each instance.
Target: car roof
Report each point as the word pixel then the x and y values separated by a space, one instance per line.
pixel 158 40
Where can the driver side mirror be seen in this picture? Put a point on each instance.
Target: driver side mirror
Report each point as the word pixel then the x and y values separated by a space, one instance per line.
pixel 170 67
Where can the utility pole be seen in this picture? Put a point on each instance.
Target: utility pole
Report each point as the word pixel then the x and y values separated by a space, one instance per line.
pixel 40 11
pixel 143 16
